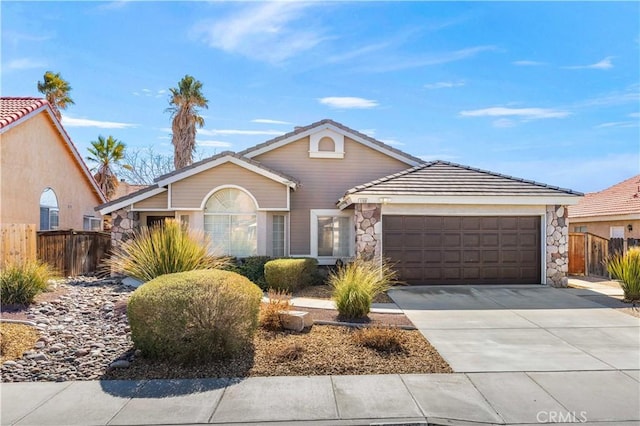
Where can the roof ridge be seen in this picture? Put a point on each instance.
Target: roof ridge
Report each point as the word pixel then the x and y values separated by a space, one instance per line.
pixel 302 129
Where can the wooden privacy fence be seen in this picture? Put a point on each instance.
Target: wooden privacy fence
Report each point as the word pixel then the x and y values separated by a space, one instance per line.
pixel 17 242
pixel 587 254
pixel 73 253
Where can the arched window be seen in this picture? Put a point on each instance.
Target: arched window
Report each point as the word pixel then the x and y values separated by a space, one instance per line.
pixel 230 219
pixel 49 211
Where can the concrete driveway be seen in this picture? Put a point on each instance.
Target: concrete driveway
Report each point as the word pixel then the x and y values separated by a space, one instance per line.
pixel 522 328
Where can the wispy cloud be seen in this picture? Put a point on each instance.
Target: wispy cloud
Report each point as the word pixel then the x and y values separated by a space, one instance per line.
pixel 24 64
pixel 213 143
pixel 392 142
pixel 368 132
pixel 396 64
pixel 634 115
pixel 604 64
pixel 17 37
pixel 524 113
pixel 617 124
pixel 503 123
pixel 630 94
pixel 358 52
pixel 85 122
pixel 271 32
pixel 444 85
pixel 269 121
pixel 217 132
pixel 149 93
pixel 348 102
pixel 526 63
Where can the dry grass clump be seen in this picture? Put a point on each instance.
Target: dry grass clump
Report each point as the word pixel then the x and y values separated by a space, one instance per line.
pixel 279 300
pixel 20 282
pixel 381 339
pixel 626 269
pixel 15 339
pixel 291 352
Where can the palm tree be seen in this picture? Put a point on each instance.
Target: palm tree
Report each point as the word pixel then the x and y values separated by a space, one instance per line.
pixel 185 101
pixel 107 153
pixel 56 89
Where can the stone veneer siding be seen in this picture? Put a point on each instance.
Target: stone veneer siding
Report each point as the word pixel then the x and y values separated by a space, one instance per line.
pixel 368 230
pixel 557 240
pixel 123 225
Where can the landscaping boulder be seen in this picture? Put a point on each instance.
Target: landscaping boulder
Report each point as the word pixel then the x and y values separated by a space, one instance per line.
pixel 295 320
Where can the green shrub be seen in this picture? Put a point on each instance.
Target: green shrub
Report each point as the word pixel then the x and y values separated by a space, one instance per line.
pixel 20 282
pixel 164 249
pixel 355 284
pixel 290 274
pixel 194 316
pixel 253 268
pixel 626 269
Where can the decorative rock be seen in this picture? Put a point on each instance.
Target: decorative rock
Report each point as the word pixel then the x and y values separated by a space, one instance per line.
pixel 295 320
pixel 121 363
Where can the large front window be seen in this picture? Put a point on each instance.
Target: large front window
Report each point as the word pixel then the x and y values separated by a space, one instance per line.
pixel 230 220
pixel 333 235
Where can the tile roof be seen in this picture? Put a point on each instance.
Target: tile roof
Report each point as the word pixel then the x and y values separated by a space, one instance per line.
pixel 13 109
pixel 231 154
pixel 621 198
pixel 302 129
pixel 442 178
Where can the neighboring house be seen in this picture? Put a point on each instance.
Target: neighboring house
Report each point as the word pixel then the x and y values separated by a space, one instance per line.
pixel 611 213
pixel 329 192
pixel 43 179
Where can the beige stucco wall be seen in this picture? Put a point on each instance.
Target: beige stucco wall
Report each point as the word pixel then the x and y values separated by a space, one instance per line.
pixel 602 229
pixel 159 201
pixel 324 180
pixel 190 192
pixel 34 156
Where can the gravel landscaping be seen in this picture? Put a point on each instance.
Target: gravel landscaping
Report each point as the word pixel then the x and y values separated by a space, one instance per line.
pixel 84 335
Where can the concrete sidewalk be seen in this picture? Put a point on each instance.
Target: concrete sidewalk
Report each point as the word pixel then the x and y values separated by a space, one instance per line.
pixel 595 397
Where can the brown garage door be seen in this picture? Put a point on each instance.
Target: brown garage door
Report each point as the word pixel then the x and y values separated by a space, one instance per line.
pixel 463 250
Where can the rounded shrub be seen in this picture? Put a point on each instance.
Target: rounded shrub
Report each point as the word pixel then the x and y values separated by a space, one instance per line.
pixel 290 274
pixel 194 316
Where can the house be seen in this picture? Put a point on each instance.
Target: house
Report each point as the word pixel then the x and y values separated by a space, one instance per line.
pixel 330 192
pixel 611 213
pixel 43 179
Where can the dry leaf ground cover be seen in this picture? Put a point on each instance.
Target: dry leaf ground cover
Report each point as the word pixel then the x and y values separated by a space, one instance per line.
pixel 15 339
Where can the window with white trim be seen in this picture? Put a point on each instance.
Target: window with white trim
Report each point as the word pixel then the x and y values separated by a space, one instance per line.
pixel 90 223
pixel 49 211
pixel 230 219
pixel 332 234
pixel 277 237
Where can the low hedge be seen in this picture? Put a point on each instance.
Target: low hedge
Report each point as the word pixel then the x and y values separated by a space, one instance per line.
pixel 194 316
pixel 251 267
pixel 291 274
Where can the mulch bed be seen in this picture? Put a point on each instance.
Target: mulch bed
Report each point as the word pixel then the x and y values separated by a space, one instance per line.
pixel 373 319
pixel 322 350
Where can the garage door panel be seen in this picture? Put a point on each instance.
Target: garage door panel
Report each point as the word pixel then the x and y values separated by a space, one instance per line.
pixel 464 250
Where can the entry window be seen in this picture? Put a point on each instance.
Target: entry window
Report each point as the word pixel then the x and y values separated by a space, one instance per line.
pixel 579 229
pixel 278 236
pixel 334 236
pixel 230 220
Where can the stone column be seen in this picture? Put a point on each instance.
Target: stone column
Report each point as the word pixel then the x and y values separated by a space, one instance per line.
pixel 368 230
pixel 557 240
pixel 123 224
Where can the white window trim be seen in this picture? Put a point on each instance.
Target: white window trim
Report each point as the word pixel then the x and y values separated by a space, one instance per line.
pixel 338 144
pixel 615 230
pixel 314 214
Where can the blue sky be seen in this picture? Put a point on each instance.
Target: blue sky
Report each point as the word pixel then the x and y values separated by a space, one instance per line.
pixel 544 90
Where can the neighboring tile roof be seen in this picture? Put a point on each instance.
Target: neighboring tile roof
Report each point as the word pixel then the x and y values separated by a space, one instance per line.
pixel 127 197
pixel 622 198
pixel 303 129
pixel 12 109
pixel 125 188
pixel 444 178
pixel 231 154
